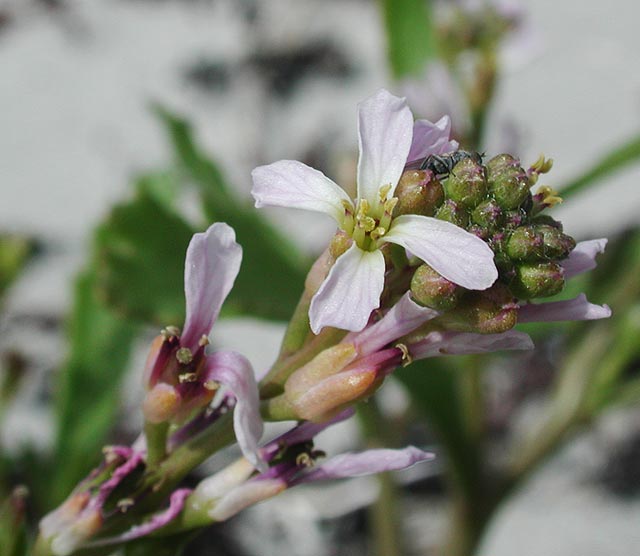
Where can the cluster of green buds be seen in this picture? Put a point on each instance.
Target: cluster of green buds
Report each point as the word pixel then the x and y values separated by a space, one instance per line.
pixel 493 201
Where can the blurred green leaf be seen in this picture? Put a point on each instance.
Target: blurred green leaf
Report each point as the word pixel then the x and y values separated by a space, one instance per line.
pixel 140 253
pixel 15 252
pixel 410 35
pixel 13 535
pixel 434 386
pixel 613 162
pixel 89 385
pixel 273 270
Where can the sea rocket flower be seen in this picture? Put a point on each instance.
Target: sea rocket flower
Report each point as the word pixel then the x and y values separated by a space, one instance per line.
pixel 388 139
pixel 180 375
pixel 293 462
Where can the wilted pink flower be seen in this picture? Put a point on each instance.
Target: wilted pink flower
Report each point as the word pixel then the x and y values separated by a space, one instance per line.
pixel 388 138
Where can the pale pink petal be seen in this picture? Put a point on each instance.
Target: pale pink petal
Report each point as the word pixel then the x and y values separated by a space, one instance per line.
pixel 430 138
pixel 456 254
pixel 307 431
pixel 385 128
pixel 246 495
pixel 234 371
pixel 289 183
pixel 350 292
pixel 583 257
pixel 157 521
pixel 577 308
pixel 464 343
pixel 402 318
pixel 365 463
pixel 212 264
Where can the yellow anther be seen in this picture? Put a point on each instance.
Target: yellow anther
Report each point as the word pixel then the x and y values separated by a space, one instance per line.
pixel 406 356
pixel 169 332
pixel 124 504
pixel 187 377
pixel 550 196
pixel 383 192
pixel 211 385
pixel 304 460
pixel 203 341
pixel 363 208
pixel 378 233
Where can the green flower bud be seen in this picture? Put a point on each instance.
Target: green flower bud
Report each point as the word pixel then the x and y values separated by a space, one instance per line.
pixel 418 192
pixel 488 215
pixel 507 180
pixel 514 218
pixel 487 312
pixel 537 280
pixel 547 220
pixel 451 212
pixel 556 244
pixel 433 290
pixel 525 244
pixel 467 183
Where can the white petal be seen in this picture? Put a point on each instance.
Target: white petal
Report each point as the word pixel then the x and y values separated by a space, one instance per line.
pixel 465 343
pixel 583 257
pixel 234 371
pixel 577 308
pixel 289 183
pixel 350 292
pixel 385 128
pixel 456 254
pixel 212 264
pixel 402 318
pixel 430 138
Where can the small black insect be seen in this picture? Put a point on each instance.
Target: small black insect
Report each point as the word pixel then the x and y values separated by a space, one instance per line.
pixel 442 164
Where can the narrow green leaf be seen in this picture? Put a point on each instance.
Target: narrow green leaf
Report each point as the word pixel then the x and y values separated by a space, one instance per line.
pixel 89 385
pixel 273 270
pixel 15 252
pixel 410 35
pixel 13 534
pixel 434 386
pixel 613 162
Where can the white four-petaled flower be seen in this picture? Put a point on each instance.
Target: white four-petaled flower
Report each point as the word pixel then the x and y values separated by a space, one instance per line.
pixel 388 138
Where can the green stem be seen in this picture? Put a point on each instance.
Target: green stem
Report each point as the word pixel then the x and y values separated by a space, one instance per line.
pixel 298 328
pixel 156 436
pixel 384 513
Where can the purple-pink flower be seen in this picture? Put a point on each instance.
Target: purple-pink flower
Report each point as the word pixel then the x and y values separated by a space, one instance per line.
pixel 181 375
pixel 388 139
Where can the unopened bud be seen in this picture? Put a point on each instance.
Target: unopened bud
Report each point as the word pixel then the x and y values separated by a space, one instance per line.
pixel 467 183
pixel 557 245
pixel 487 312
pixel 525 244
pixel 431 289
pixel 514 218
pixel 488 215
pixel 161 403
pixel 450 211
pixel 547 220
pixel 418 192
pixel 537 280
pixel 508 182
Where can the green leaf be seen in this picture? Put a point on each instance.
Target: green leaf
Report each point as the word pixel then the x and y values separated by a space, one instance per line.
pixel 15 252
pixel 410 35
pixel 140 253
pixel 13 535
pixel 435 387
pixel 89 386
pixel 273 270
pixel 613 162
